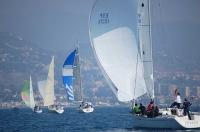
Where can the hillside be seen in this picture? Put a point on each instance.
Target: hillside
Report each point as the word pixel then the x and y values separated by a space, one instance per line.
pixel 19 59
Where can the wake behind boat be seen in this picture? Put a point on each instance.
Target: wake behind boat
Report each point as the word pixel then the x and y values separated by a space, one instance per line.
pixel 120 34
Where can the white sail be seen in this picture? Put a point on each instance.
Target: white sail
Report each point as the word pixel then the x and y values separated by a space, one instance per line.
pixel 144 29
pixel 49 89
pixel 32 102
pixel 41 87
pixel 114 40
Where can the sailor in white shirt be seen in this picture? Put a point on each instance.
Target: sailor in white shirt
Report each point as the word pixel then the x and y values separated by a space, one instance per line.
pixel 178 98
pixel 177 101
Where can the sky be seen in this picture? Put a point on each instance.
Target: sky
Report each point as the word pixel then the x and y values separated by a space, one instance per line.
pixel 51 24
pixel 176 27
pixel 59 24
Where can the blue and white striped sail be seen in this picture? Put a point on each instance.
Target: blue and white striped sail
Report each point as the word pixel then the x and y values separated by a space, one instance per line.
pixel 67 74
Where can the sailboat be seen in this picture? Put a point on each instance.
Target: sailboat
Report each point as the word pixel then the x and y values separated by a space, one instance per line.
pixel 48 92
pixel 28 98
pixel 120 34
pixel 72 81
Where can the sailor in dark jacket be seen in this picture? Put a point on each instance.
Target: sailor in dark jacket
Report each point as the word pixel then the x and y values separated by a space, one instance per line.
pixel 186 108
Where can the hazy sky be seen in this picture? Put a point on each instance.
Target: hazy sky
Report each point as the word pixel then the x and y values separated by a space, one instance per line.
pixel 58 24
pixel 176 27
pixel 48 23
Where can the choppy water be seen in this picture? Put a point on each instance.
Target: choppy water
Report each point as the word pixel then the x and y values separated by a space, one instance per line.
pixel 109 119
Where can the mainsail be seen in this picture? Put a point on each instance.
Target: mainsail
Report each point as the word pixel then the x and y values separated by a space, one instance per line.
pixel 144 30
pixel 71 76
pixel 113 34
pixel 27 94
pixel 49 89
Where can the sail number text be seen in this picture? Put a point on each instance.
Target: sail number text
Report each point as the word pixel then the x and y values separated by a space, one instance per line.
pixel 103 18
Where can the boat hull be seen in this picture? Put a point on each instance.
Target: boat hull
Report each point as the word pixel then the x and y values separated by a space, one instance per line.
pixel 38 111
pixel 59 110
pixel 87 110
pixel 162 123
pixel 86 107
pixel 166 122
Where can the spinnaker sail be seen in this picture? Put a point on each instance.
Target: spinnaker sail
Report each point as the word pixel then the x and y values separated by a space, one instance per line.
pixel 114 38
pixel 71 76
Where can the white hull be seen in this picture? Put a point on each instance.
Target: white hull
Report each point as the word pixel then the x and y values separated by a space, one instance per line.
pixel 57 110
pixel 86 107
pixel 38 111
pixel 87 110
pixel 167 122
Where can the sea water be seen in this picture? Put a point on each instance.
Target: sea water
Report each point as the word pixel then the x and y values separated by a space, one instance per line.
pixel 107 119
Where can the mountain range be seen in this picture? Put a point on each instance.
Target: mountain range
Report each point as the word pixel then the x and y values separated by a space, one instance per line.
pixel 20 58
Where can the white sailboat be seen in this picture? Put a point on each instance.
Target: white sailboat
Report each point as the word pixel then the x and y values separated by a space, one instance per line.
pixel 72 81
pixel 28 97
pixel 120 33
pixel 48 91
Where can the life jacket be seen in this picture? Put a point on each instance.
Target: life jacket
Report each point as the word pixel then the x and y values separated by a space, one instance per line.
pixel 136 109
pixel 149 107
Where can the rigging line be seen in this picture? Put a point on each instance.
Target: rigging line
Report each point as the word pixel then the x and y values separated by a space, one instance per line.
pixel 136 64
pixel 136 74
